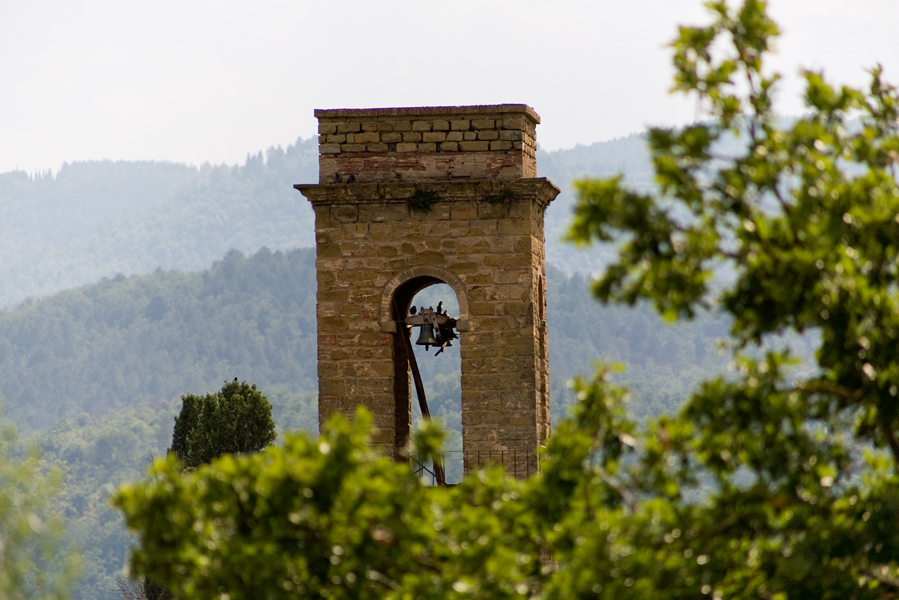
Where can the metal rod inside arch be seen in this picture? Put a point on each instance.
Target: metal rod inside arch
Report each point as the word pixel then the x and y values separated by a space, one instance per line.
pixel 439 473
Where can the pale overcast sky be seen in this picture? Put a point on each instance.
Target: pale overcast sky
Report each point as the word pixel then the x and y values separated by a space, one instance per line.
pixel 211 80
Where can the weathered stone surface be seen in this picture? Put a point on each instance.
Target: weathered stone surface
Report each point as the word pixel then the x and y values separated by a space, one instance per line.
pixel 362 154
pixel 433 136
pixel 367 138
pixel 474 146
pixel 483 236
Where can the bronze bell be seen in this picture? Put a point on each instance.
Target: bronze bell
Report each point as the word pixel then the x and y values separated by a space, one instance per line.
pixel 426 336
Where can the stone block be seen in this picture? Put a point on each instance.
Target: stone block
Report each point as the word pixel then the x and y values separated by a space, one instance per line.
pixel 516 309
pixel 500 146
pixel 345 212
pixel 510 135
pixel 474 146
pixel 480 309
pixel 349 310
pixel 427 147
pixel 353 147
pixel 385 126
pixel 518 260
pixel 460 125
pixel 356 230
pixel 511 275
pixel 377 148
pixel 513 123
pixel 515 227
pixel 412 136
pixel 464 211
pixel 483 124
pixel 469 135
pixel 493 210
pixel 369 137
pixel 348 127
pixel 406 147
pixel 433 136
pixel 440 125
pixel 482 226
pixel 449 147
pixel 335 323
pixel 330 251
pixel 339 296
pixel 402 125
pixel 392 137
pixel 421 126
pixel 327 128
pixel 454 136
pixel 432 258
pixel 329 149
pixel 488 134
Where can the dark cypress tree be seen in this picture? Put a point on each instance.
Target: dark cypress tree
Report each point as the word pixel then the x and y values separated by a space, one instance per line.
pixel 235 420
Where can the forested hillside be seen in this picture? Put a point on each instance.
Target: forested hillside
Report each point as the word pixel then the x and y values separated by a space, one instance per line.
pixel 128 340
pixel 97 219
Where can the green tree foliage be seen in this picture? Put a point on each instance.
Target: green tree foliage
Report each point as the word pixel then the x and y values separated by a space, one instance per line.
pixel 773 482
pixel 235 420
pixel 329 518
pixel 34 563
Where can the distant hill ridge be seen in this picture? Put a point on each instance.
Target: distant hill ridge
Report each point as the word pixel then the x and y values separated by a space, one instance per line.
pixel 101 218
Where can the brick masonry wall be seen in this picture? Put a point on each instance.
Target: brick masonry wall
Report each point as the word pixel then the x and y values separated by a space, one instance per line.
pixel 484 237
pixel 427 144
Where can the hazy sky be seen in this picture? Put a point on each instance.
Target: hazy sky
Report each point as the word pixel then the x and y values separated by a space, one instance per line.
pixel 211 80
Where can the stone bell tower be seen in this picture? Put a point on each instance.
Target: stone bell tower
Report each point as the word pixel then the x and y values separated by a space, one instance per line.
pixel 411 197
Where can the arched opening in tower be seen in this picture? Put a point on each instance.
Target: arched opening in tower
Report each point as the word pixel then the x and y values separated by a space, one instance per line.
pixel 436 365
